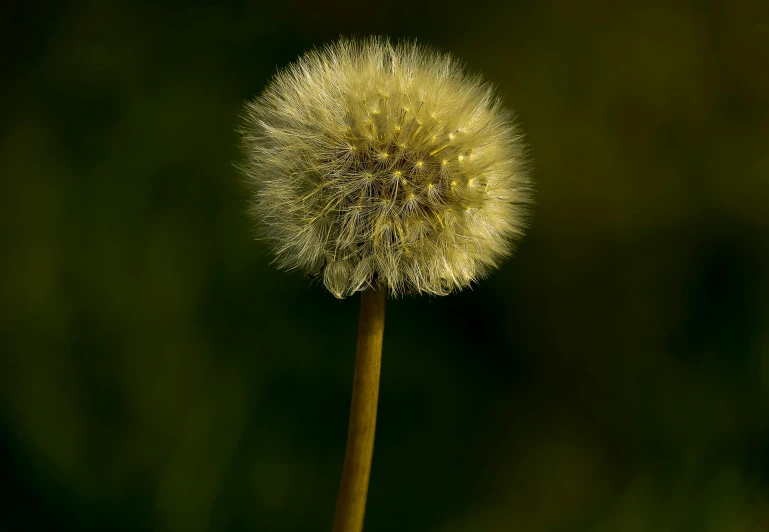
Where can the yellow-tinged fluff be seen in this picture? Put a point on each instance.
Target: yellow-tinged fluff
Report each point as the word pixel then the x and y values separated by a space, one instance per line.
pixel 373 163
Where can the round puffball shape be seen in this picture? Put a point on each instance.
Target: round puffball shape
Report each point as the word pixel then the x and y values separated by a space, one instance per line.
pixel 378 164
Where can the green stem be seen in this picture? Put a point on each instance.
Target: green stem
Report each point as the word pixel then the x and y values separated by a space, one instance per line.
pixel 351 501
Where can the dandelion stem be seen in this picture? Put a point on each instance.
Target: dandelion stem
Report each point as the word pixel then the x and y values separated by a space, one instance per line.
pixel 351 501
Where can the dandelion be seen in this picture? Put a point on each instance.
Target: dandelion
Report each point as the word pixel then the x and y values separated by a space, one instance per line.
pixel 382 168
pixel 375 164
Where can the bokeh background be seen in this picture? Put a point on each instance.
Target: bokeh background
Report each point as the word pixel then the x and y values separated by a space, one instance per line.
pixel 157 373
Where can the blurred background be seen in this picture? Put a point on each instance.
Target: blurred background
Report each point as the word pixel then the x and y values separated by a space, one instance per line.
pixel 157 373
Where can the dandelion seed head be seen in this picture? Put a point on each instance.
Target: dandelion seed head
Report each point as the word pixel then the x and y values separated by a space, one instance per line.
pixel 384 164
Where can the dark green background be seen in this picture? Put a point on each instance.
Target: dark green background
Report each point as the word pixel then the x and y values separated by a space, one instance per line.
pixel 157 373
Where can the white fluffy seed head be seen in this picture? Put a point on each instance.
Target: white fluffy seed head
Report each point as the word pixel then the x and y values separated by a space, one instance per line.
pixel 379 164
